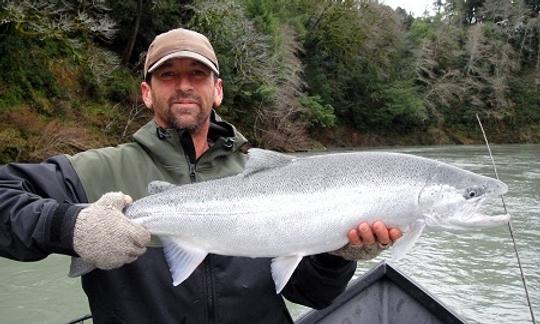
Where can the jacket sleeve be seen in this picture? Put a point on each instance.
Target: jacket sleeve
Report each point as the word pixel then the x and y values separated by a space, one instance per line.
pixel 318 280
pixel 37 211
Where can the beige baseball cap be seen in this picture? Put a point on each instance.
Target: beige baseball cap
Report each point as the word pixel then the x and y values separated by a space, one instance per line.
pixel 177 43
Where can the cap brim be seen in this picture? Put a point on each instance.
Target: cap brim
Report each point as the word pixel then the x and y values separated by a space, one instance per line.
pixel 187 54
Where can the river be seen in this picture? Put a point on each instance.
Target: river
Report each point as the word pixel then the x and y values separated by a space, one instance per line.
pixel 474 273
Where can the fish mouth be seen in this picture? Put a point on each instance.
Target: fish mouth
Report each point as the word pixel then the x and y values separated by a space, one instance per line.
pixel 500 188
pixel 457 209
pixel 477 221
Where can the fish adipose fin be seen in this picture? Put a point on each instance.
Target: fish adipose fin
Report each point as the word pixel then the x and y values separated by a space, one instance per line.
pixel 282 270
pixel 156 187
pixel 260 159
pixel 182 258
pixel 405 244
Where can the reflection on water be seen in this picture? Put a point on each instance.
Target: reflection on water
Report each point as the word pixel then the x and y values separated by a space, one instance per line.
pixel 474 273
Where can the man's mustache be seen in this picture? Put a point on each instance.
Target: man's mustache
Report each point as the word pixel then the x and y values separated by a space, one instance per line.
pixel 179 96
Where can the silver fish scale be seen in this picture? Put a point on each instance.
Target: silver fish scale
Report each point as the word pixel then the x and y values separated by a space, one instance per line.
pixel 318 173
pixel 320 196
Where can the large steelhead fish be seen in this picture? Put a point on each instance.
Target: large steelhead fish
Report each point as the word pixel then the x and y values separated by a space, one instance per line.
pixel 289 207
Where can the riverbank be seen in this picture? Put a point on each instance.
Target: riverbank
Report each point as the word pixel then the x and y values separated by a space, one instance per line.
pixel 497 134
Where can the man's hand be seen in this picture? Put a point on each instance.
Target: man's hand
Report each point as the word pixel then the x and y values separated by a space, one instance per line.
pixel 366 242
pixel 105 237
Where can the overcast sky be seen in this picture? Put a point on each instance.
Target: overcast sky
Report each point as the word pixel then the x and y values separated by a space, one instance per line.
pixel 417 7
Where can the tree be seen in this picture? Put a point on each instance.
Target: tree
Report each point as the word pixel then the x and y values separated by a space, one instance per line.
pixel 463 12
pixel 156 16
pixel 438 72
pixel 357 62
pixel 128 51
pixel 534 5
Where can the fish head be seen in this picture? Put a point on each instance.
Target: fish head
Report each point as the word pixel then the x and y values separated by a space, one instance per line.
pixel 451 199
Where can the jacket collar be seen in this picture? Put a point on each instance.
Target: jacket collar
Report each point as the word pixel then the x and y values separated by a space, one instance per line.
pixel 166 145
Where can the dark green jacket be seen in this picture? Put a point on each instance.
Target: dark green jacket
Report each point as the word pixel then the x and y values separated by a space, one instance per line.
pixel 222 289
pixel 158 154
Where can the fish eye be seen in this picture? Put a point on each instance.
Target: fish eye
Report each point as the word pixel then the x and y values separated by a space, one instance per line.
pixel 473 192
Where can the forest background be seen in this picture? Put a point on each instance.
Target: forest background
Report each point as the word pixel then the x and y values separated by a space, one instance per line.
pixel 298 74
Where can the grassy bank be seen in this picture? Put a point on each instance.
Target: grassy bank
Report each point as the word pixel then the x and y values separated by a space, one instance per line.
pixel 347 137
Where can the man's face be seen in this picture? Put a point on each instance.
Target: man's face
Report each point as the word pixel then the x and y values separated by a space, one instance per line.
pixel 182 93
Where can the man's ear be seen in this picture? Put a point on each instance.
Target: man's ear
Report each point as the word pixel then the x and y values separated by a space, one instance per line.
pixel 146 94
pixel 218 93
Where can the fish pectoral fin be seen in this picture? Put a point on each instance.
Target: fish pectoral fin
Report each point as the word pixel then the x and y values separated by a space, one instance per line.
pixel 182 258
pixel 78 267
pixel 156 187
pixel 260 159
pixel 405 243
pixel 283 268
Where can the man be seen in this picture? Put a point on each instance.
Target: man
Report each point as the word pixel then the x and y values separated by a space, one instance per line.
pixel 185 142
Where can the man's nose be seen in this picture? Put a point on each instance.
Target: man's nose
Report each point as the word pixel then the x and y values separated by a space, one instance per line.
pixel 183 82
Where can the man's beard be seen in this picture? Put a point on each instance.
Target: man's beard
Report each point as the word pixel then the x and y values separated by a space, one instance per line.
pixel 177 122
pixel 192 126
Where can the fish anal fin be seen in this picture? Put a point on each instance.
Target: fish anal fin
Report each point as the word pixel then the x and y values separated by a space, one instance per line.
pixel 260 159
pixel 182 258
pixel 283 268
pixel 403 245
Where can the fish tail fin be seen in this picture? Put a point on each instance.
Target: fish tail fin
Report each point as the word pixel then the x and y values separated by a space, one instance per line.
pixel 78 267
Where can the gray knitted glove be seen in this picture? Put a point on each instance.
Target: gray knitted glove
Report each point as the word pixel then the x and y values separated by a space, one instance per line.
pixel 105 237
pixel 360 253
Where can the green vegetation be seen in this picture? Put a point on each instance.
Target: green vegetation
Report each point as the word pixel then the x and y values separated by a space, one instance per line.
pixel 297 73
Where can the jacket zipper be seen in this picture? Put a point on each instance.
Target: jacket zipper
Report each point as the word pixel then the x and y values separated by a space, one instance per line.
pixel 207 265
pixel 189 152
pixel 192 171
pixel 209 283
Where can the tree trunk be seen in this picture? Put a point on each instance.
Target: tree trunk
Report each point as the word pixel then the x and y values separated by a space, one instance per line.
pixel 129 48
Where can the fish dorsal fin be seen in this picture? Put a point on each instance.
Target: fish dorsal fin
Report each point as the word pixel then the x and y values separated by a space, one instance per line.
pixel 182 258
pixel 405 244
pixel 283 268
pixel 156 187
pixel 260 159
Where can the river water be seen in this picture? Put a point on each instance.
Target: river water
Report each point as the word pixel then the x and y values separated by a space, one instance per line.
pixel 473 273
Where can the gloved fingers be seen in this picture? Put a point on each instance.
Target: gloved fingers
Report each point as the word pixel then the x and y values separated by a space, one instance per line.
pixel 366 252
pixel 116 263
pixel 130 259
pixel 128 255
pixel 135 252
pixel 358 252
pixel 139 235
pixel 115 200
pixel 364 248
